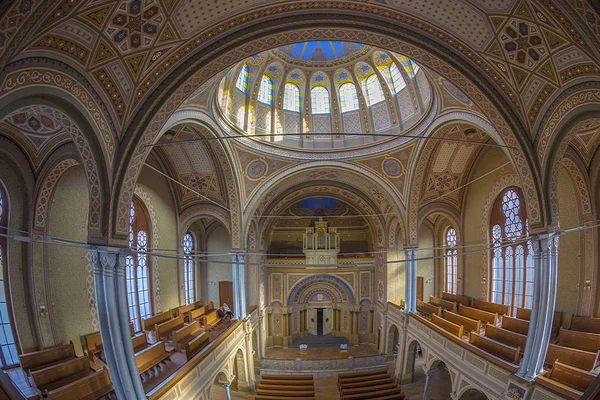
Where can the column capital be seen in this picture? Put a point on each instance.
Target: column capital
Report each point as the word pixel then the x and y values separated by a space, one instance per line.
pixel 109 261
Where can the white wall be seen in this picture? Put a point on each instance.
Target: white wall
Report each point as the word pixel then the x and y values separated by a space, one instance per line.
pixel 218 242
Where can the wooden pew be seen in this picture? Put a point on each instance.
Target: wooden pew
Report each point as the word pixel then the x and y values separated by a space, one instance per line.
pixel 349 375
pixel 186 334
pixel 465 300
pixel 428 309
pixel 574 357
pixel 525 313
pixel 286 382
pixel 47 357
pixel 469 324
pixel 166 329
pixel 505 336
pixel 269 397
pixel 500 350
pixel 183 310
pixel 151 356
pixel 139 342
pixel 375 394
pixel 92 342
pixel 288 377
pixel 150 323
pixel 362 379
pixel 283 393
pixel 197 313
pixel 499 309
pixel 371 382
pixel 572 380
pixel 585 324
pixel 450 327
pixel 445 304
pixel 474 313
pixel 90 387
pixel 515 324
pixel 60 374
pixel 212 319
pixel 196 345
pixel 368 388
pixel 579 340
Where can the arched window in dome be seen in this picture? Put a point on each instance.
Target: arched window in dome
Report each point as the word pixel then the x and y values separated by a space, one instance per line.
pixel 265 91
pixel 512 254
pixel 240 117
pixel 291 97
pixel 9 354
pixel 348 97
pixel 319 100
pixel 451 261
pixel 137 266
pixel 242 79
pixel 394 78
pixel 409 65
pixel 373 90
pixel 189 269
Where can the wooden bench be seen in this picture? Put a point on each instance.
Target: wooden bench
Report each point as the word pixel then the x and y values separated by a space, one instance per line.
pixel 166 329
pixel 579 340
pixel 184 335
pixel 465 300
pixel 151 356
pixel 359 374
pixel 362 379
pixel 371 382
pixel 196 345
pixel 150 323
pixel 368 388
pixel 570 379
pixel 428 309
pixel 92 342
pixel 505 336
pixel 183 310
pixel 445 304
pixel 286 382
pixel 468 324
pixel 284 393
pixel 372 394
pixel 450 327
pixel 585 324
pixel 574 357
pixel 525 313
pixel 516 325
pixel 139 342
pixel 212 319
pixel 288 377
pixel 474 313
pixel 60 374
pixel 500 350
pixel 499 309
pixel 279 397
pixel 91 387
pixel 272 386
pixel 47 357
pixel 196 314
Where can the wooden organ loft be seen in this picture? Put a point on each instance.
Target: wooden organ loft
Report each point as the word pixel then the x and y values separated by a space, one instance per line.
pixel 321 244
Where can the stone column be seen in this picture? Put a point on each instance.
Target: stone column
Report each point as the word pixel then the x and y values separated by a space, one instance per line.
pixel 411 280
pixel 239 285
pixel 111 303
pixel 426 385
pixel 545 261
pixel 227 390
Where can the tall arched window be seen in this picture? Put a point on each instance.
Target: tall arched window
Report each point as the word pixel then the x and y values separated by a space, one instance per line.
pixel 512 254
pixel 242 79
pixel 319 100
pixel 265 91
pixel 451 262
pixel 291 97
pixel 240 117
pixel 189 270
pixel 373 90
pixel 395 80
pixel 9 354
pixel 137 268
pixel 348 97
pixel 409 65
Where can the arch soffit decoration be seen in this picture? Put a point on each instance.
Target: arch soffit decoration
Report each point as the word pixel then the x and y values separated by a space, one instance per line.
pixel 149 129
pixel 448 212
pixel 577 171
pixel 319 283
pixel 191 214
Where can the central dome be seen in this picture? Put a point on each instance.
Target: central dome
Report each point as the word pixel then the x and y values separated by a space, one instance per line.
pixel 324 95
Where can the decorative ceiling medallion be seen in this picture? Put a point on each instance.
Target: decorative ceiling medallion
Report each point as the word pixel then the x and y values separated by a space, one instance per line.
pixel 256 169
pixel 392 167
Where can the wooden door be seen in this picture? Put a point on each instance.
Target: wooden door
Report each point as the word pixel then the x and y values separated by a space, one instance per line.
pixel 420 288
pixel 327 321
pixel 225 294
pixel 312 321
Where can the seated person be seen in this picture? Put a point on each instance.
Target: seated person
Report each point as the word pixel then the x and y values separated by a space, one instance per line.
pixel 227 311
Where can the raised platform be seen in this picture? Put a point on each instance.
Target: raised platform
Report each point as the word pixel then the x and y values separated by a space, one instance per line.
pixel 323 341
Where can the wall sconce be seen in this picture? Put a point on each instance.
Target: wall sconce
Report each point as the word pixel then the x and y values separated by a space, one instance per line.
pixel 157 290
pixel 587 284
pixel 43 311
pixel 212 283
pixel 484 281
pixel 429 280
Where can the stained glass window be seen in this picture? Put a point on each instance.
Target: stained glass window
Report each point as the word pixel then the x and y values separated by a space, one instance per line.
pixel 9 353
pixel 137 268
pixel 373 90
pixel 291 97
pixel 512 259
pixel 240 117
pixel 451 262
pixel 348 97
pixel 242 80
pixel 409 66
pixel 189 270
pixel 319 100
pixel 394 77
pixel 265 91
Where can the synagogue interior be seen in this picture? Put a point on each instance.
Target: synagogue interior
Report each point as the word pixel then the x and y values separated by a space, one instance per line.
pixel 270 200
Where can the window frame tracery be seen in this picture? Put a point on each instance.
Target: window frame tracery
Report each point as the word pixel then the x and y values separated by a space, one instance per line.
pixel 314 105
pixel 373 90
pixel 287 102
pixel 451 260
pixel 189 269
pixel 241 82
pixel 396 81
pixel 345 106
pixel 265 91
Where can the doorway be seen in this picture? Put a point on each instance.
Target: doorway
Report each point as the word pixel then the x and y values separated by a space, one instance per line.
pixel 319 321
pixel 225 294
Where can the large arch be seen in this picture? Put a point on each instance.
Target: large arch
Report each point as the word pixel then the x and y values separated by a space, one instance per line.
pixel 337 290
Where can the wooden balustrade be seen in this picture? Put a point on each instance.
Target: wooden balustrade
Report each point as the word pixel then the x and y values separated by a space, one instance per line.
pixel 500 350
pixel 499 309
pixel 474 313
pixel 150 323
pixel 428 309
pixel 469 324
pixel 450 327
pixel 151 356
pixel 505 336
pixel 91 387
pixel 579 340
pixel 47 357
pixel 166 329
pixel 574 357
pixel 444 304
pixel 516 325
pixel 465 300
